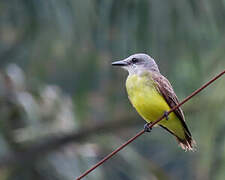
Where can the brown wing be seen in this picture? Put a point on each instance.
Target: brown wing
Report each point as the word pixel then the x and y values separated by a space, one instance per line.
pixel 165 88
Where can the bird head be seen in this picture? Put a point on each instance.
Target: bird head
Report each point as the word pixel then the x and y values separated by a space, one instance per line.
pixel 137 63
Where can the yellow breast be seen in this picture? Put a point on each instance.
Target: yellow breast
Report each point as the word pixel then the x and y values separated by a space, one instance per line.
pixel 150 104
pixel 145 97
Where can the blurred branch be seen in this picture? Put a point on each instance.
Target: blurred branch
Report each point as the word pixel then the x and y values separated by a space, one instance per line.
pixel 48 144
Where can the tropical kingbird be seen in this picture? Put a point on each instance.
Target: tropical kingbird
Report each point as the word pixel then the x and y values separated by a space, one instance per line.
pixel 152 95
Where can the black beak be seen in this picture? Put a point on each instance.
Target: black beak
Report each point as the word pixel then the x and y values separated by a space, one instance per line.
pixel 120 63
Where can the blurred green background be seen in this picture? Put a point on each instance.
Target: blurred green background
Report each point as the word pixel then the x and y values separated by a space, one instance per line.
pixel 63 107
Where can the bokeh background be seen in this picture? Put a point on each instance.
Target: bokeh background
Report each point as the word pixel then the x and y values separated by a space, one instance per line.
pixel 63 107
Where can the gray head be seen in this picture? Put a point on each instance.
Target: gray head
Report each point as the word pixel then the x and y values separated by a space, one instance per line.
pixel 137 63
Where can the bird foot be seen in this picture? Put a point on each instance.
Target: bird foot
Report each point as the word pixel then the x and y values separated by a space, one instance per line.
pixel 166 115
pixel 147 128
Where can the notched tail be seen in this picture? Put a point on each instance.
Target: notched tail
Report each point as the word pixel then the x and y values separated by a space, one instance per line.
pixel 187 144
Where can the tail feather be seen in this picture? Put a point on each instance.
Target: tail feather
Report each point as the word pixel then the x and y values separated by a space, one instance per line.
pixel 187 144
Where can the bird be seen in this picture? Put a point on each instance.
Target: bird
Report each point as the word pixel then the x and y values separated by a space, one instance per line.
pixel 152 95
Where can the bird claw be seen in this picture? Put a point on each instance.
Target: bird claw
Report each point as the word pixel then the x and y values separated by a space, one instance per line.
pixel 147 128
pixel 166 115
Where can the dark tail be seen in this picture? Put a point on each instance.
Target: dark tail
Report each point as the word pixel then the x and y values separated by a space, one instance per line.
pixel 187 144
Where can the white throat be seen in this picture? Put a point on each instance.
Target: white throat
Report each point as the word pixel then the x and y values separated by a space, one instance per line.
pixel 134 69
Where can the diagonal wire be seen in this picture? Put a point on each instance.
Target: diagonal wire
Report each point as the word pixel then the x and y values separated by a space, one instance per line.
pixel 150 126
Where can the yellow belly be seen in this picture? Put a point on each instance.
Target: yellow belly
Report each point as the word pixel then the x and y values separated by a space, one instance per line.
pixel 150 104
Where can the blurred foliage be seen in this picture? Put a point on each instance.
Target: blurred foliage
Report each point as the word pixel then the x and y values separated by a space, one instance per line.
pixel 56 79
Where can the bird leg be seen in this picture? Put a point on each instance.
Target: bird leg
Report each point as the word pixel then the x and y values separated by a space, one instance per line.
pixel 147 128
pixel 166 115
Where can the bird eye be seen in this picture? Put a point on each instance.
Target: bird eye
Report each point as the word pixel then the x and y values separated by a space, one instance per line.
pixel 134 60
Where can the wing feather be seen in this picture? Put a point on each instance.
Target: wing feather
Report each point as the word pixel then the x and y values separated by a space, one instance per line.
pixel 165 88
